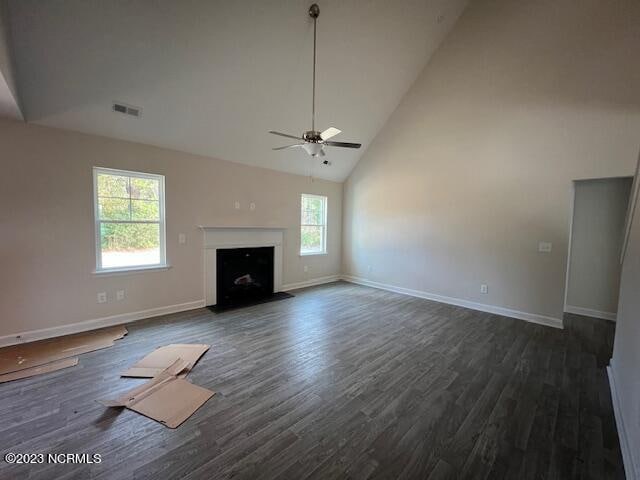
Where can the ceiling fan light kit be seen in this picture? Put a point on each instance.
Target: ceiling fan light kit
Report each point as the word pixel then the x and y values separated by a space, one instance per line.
pixel 313 149
pixel 313 141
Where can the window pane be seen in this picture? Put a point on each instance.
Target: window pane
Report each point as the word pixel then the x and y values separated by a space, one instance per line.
pixel 312 217
pixel 145 210
pixel 144 188
pixel 129 244
pixel 112 185
pixel 312 211
pixel 311 239
pixel 113 208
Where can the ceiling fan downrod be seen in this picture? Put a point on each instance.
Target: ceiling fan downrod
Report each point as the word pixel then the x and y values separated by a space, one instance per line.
pixel 314 12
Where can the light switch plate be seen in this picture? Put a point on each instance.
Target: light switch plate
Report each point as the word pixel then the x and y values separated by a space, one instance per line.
pixel 182 238
pixel 484 288
pixel 102 297
pixel 237 205
pixel 120 295
pixel 544 247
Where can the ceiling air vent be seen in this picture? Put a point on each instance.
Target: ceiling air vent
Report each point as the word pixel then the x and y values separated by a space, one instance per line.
pixel 125 109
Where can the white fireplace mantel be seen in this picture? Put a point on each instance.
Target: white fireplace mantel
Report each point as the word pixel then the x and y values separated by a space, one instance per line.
pixel 216 237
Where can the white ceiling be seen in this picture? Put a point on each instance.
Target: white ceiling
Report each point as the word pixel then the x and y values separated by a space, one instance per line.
pixel 212 77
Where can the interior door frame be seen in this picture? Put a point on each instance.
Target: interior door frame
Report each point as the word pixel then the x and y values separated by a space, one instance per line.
pixel 630 210
pixel 572 201
pixel 633 200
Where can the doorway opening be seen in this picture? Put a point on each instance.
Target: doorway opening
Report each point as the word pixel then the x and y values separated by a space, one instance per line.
pixel 595 244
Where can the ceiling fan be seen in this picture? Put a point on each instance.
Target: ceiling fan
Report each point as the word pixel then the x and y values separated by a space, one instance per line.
pixel 313 141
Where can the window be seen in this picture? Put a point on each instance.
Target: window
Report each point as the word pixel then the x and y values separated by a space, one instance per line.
pixel 313 225
pixel 129 216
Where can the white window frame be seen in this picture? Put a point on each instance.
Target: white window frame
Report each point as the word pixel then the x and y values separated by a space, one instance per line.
pixel 161 209
pixel 325 201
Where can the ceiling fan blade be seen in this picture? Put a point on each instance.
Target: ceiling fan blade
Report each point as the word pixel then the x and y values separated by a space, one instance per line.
pixel 329 132
pixel 285 135
pixel 343 144
pixel 288 146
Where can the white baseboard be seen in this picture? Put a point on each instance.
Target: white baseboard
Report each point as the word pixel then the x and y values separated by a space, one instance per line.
pixel 310 283
pixel 506 312
pixel 41 334
pixel 33 335
pixel 71 328
pixel 631 465
pixel 587 312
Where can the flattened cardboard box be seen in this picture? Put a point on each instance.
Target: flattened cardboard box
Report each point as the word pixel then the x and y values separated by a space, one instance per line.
pixel 40 369
pixel 167 399
pixel 162 358
pixel 34 354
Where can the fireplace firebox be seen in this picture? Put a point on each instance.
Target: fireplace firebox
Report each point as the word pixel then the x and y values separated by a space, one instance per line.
pixel 244 275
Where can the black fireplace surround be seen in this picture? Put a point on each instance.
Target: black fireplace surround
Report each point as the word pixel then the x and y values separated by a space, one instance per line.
pixel 244 275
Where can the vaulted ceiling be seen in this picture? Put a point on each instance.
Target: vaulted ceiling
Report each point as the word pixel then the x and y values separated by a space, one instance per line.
pixel 213 77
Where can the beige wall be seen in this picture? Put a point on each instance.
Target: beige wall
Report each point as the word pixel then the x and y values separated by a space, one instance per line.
pixel 475 166
pixel 625 363
pixel 597 231
pixel 47 248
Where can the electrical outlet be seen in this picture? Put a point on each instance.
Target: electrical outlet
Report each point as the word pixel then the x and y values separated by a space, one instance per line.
pixel 182 238
pixel 484 288
pixel 252 206
pixel 237 205
pixel 120 295
pixel 544 247
pixel 102 297
pixel 306 268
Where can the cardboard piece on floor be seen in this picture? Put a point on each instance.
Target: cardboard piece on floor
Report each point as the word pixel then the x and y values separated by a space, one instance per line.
pixel 46 368
pixel 167 399
pixel 161 358
pixel 33 354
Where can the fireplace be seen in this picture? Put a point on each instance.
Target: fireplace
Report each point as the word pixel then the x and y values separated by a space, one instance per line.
pixel 243 275
pixel 236 237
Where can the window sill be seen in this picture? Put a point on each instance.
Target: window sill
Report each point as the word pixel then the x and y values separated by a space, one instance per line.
pixel 131 270
pixel 311 254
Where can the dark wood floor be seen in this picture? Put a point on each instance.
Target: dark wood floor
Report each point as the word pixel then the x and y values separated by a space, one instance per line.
pixel 341 381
